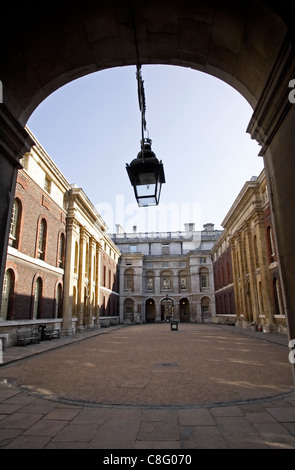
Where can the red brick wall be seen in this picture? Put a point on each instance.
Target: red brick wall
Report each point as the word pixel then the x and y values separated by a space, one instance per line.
pixel 110 280
pixel 35 205
pixel 223 278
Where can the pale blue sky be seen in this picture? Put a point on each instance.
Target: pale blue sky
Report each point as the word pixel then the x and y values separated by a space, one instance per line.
pixel 91 129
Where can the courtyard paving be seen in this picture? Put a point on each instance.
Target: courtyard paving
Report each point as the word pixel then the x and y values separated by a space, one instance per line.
pixel 148 387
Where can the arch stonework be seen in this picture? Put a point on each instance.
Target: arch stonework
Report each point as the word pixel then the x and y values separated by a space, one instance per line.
pixel 247 44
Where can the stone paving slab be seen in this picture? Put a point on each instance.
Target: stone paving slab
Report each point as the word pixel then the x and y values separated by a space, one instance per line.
pixel 30 420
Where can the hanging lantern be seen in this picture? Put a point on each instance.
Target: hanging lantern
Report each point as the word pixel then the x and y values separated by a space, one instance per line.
pixel 146 172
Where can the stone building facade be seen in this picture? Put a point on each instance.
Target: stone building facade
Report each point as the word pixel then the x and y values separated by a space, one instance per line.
pixel 46 281
pixel 164 275
pixel 249 236
pixel 91 282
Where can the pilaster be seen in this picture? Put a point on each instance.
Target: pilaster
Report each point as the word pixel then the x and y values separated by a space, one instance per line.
pixel 82 299
pixel 68 278
pixel 98 280
pixel 264 274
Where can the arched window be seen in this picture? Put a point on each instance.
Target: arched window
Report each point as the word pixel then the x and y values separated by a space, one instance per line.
pixel 61 251
pixel 37 298
pixel 42 239
pixel 7 295
pixel 129 280
pixel 15 223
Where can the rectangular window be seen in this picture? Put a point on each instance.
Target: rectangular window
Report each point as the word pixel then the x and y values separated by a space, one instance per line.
pixel 133 248
pixel 183 283
pixel 204 281
pixel 165 249
pixel 166 283
pixel 129 282
pixel 150 283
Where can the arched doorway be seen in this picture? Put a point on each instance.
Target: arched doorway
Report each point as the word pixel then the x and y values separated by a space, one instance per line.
pixel 150 311
pixel 249 45
pixel 184 309
pixel 167 309
pixel 128 312
pixel 205 309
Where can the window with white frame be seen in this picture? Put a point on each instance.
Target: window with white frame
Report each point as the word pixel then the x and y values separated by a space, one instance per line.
pixel 166 280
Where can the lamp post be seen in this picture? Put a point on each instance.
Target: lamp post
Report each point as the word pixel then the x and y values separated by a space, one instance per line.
pixel 146 172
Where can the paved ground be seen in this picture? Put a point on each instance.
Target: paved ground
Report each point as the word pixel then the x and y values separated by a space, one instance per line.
pixel 147 387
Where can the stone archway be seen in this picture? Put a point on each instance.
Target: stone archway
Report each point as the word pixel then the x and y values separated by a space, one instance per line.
pixel 150 311
pixel 205 309
pixel 249 45
pixel 184 309
pixel 128 311
pixel 167 309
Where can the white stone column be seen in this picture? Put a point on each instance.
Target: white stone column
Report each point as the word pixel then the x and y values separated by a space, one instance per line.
pixel 68 277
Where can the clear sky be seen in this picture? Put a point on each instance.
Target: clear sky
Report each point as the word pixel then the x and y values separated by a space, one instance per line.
pixel 92 127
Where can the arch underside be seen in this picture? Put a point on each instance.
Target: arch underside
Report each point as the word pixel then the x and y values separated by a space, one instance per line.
pixel 229 40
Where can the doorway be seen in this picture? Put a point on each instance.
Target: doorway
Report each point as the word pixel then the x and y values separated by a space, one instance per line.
pixel 167 309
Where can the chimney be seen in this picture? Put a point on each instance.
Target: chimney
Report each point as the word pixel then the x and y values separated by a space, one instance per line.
pixel 189 227
pixel 119 229
pixel 208 227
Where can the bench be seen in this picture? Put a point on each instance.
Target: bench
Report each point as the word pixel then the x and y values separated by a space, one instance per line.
pixel 230 322
pixel 52 332
pixel 48 332
pixel 28 336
